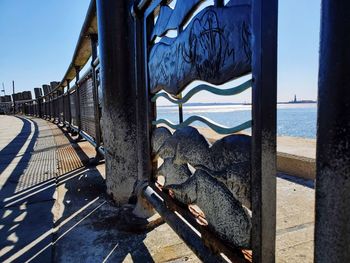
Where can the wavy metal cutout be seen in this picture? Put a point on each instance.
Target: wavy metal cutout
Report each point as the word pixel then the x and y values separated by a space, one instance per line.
pixel 203 87
pixel 172 18
pixel 214 126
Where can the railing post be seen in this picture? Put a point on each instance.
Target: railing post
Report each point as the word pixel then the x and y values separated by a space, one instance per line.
pixel 145 108
pixel 13 97
pixel 77 78
pixel 94 41
pixel 264 103
pixel 69 107
pixel 49 107
pixel 332 226
pixel 119 97
pixel 39 107
pixel 45 107
pixel 54 106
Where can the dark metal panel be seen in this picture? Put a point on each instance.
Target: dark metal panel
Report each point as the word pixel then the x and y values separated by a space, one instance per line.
pixel 214 47
pixel 69 114
pixel 61 109
pixel 65 108
pixel 332 227
pixel 174 76
pixel 87 108
pixel 169 18
pixel 264 98
pixel 77 99
pixel 95 91
pixel 51 115
pixel 73 110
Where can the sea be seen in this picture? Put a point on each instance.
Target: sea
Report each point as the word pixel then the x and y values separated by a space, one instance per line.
pixel 297 120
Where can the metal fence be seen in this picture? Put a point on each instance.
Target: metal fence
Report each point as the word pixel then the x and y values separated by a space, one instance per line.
pixel 74 108
pixel 231 181
pixel 219 198
pixel 220 195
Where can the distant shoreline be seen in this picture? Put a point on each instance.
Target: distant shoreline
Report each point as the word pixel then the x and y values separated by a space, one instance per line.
pixel 244 104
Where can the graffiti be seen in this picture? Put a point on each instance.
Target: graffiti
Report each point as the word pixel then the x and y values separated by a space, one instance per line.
pixel 214 47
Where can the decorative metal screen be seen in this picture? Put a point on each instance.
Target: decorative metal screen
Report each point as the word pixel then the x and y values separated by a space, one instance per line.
pixel 52 108
pixel 60 108
pixel 73 107
pixel 66 111
pixel 213 47
pixel 87 108
pixel 47 107
pixel 210 43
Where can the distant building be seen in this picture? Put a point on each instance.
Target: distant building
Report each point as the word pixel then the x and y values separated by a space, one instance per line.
pixel 301 101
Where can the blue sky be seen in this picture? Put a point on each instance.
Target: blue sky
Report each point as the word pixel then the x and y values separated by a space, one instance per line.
pixel 37 41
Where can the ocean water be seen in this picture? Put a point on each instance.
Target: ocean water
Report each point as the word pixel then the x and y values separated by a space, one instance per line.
pixel 298 120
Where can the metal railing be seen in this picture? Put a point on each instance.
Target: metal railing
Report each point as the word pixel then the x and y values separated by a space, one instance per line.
pixel 78 109
pixel 170 64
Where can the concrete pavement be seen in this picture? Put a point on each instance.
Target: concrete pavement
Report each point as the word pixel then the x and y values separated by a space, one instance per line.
pixel 53 206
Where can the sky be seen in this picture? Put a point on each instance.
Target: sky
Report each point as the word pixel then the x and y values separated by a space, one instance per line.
pixel 38 38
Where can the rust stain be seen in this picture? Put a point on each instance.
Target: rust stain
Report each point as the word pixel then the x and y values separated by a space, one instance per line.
pixel 69 157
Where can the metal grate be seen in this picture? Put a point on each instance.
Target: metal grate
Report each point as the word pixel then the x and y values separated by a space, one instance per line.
pixel 72 98
pixel 87 109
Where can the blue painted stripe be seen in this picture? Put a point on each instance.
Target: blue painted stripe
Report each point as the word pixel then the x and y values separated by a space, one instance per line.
pixel 214 126
pixel 203 87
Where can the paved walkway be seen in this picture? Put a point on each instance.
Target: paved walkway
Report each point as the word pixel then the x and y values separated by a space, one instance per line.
pixel 53 206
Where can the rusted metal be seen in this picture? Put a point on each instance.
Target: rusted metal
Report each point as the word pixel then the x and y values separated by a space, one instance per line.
pixel 210 240
pixel 185 232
